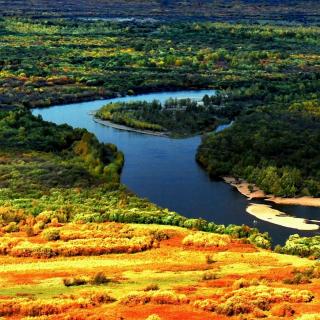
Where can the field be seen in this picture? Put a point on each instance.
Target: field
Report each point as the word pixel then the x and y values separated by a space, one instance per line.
pixel 164 271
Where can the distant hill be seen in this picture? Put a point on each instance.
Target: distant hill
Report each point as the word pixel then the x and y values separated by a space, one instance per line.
pixel 252 10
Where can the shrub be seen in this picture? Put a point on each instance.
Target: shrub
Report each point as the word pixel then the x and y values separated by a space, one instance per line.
pixel 156 297
pixel 304 276
pixel 206 305
pixel 202 239
pixel 29 231
pixel 99 278
pixel 11 227
pixel 261 240
pixel 70 282
pixel 210 259
pixel 243 283
pixel 151 287
pixel 51 234
pixel 302 246
pixel 248 299
pixel 282 310
pixel 209 276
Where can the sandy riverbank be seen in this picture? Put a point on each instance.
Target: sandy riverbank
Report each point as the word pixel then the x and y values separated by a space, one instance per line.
pixel 266 213
pixel 122 127
pixel 242 186
pixel 253 192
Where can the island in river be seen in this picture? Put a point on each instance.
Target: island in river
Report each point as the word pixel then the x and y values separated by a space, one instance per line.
pixel 173 117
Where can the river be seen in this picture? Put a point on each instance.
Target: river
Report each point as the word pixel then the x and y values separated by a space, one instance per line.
pixel 164 170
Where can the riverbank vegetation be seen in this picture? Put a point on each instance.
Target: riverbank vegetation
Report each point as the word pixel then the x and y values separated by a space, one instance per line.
pixel 177 117
pixel 45 62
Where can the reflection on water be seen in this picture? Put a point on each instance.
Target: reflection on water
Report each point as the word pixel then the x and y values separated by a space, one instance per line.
pixel 164 170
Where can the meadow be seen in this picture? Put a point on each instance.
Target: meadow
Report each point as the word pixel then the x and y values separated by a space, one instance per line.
pixel 134 271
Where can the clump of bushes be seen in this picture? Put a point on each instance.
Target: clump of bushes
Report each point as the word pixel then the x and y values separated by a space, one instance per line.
pixel 30 307
pixel 301 246
pixel 244 283
pixel 261 240
pixel 11 227
pixel 206 305
pixel 303 276
pixel 253 299
pixel 282 310
pixel 97 279
pixel 202 239
pixel 209 276
pixel 81 247
pixel 151 287
pixel 51 234
pixel 156 297
pixel 76 281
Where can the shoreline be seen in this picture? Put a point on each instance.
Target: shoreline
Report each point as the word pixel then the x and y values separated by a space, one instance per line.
pixel 243 187
pixel 266 213
pixel 126 128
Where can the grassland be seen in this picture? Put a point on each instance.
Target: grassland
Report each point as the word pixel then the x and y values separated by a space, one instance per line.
pixel 182 273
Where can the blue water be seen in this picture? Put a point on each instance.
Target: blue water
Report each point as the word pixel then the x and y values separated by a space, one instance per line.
pixel 164 170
